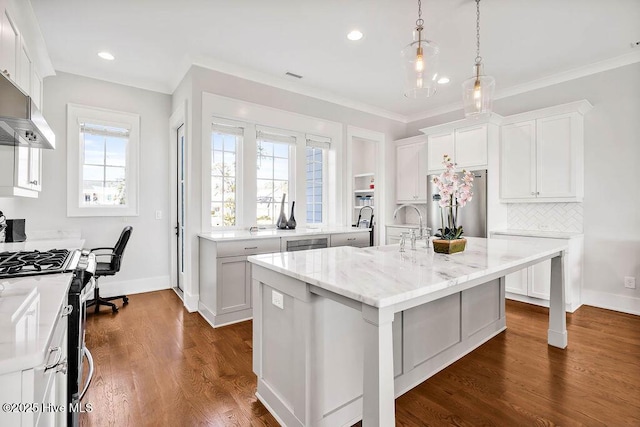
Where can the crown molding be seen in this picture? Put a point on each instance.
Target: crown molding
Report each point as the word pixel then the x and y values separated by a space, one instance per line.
pixel 565 76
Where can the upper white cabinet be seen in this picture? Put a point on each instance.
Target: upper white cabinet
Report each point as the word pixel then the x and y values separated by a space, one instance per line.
pixel 465 141
pixel 541 155
pixel 411 169
pixel 9 46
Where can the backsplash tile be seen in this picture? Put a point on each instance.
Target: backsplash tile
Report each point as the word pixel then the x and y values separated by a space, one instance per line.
pixel 545 216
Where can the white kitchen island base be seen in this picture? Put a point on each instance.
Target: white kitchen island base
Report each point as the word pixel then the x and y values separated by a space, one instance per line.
pixel 340 332
pixel 308 356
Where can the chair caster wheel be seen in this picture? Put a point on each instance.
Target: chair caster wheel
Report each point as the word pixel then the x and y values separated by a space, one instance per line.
pixel 114 309
pixel 125 300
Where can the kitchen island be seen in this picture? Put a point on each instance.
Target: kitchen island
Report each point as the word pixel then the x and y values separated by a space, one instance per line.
pixel 339 333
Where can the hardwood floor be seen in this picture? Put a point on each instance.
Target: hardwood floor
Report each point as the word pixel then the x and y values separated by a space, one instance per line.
pixel 158 365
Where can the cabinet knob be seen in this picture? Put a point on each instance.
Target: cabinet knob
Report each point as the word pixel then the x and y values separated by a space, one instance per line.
pixel 34 182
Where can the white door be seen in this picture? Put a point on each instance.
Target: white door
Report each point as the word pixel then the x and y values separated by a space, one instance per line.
pixel 471 147
pixel 556 156
pixel 439 145
pixel 407 173
pixel 181 208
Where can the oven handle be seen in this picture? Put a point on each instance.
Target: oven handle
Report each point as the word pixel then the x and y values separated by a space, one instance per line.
pixel 87 353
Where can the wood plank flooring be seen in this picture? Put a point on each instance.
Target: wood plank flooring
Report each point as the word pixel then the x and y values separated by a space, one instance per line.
pixel 158 365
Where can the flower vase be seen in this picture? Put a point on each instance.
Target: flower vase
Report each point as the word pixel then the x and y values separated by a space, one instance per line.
pixel 282 219
pixel 444 246
pixel 291 224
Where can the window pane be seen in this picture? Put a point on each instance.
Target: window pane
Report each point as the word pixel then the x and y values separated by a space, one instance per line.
pixel 315 200
pixel 115 173
pixel 92 173
pixel 281 168
pixel 265 168
pixel 281 150
pixel 116 151
pixel 216 214
pixel 217 141
pixel 223 183
pixel 272 180
pixel 93 149
pixel 230 143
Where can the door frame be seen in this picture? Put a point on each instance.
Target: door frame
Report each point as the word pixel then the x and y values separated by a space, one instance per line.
pixel 178 119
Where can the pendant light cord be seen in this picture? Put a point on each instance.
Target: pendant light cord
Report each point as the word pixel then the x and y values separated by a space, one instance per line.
pixel 478 57
pixel 419 22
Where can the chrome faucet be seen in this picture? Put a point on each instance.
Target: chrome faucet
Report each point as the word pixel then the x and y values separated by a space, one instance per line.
pixel 395 214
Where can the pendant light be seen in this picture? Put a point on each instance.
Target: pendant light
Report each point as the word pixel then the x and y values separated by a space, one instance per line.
pixel 477 91
pixel 420 59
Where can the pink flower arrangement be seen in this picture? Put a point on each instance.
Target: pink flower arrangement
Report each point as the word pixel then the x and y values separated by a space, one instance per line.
pixel 455 192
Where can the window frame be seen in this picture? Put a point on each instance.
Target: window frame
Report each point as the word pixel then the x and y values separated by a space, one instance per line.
pixel 312 142
pixel 78 114
pixel 218 124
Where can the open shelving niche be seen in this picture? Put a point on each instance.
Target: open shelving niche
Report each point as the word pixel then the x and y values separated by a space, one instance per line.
pixel 361 188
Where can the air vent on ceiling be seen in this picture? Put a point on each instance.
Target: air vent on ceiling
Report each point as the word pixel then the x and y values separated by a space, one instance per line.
pixel 297 76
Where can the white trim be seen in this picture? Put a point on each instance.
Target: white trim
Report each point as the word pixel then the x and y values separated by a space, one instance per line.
pixel 492 118
pixel 581 107
pixel 564 76
pixel 131 121
pixel 622 303
pixel 136 286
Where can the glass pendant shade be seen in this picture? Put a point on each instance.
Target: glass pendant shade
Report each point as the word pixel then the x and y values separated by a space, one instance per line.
pixel 477 93
pixel 420 60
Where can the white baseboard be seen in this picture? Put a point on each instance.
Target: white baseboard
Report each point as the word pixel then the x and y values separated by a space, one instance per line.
pixel 191 302
pixel 127 287
pixel 609 301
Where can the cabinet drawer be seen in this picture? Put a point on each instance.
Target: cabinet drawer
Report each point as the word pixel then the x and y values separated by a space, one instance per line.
pixel 247 247
pixel 359 240
pixel 56 355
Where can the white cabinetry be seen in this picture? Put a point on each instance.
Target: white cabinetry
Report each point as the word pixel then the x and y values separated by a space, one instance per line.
pixel 9 46
pixel 356 239
pixel 465 141
pixel 363 193
pixel 21 176
pixel 541 155
pixel 533 284
pixel 411 170
pixel 225 278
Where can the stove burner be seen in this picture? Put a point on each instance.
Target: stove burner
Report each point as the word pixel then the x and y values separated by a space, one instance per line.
pixel 26 263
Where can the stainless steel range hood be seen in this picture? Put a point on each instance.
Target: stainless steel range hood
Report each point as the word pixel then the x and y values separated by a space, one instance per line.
pixel 21 123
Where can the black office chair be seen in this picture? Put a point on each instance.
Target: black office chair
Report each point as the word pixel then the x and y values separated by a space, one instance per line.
pixel 109 268
pixel 365 219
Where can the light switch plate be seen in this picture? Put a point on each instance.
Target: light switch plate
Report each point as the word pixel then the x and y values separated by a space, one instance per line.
pixel 277 299
pixel 158 214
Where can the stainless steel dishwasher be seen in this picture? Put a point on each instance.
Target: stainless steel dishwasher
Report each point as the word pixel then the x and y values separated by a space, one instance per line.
pixel 304 244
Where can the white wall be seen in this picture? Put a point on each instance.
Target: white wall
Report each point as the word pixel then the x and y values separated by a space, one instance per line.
pixel 146 261
pixel 199 80
pixel 611 205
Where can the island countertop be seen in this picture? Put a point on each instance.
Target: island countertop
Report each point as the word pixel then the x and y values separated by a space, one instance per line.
pixel 230 235
pixel 382 276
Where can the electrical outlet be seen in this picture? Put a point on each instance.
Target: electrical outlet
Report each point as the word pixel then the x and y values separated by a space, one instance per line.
pixel 630 282
pixel 277 299
pixel 158 214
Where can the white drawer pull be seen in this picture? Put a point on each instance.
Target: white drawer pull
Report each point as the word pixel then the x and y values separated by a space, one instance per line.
pixel 351 238
pixel 252 247
pixel 67 310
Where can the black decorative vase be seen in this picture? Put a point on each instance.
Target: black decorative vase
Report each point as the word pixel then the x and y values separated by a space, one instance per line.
pixel 291 224
pixel 282 219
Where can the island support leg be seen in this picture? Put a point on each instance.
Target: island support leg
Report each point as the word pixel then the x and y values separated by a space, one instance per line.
pixel 557 334
pixel 378 395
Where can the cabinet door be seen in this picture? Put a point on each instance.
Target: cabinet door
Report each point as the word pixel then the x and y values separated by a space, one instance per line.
pixel 8 47
pixel 28 168
pixel 24 72
pixel 35 169
pixel 36 88
pixel 540 280
pixel 407 174
pixel 471 146
pixel 421 161
pixel 438 146
pixel 516 283
pixel 234 280
pixel 556 157
pixel 517 161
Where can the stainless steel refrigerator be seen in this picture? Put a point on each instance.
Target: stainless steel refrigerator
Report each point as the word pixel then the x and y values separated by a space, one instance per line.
pixel 473 217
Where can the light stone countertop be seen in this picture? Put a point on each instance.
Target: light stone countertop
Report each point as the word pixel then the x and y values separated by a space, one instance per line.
pixel 29 308
pixel 538 233
pixel 382 276
pixel 230 235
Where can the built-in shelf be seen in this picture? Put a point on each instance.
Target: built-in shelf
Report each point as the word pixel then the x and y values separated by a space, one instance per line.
pixel 370 190
pixel 362 175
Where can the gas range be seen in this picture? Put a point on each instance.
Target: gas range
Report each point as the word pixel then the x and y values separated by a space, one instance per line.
pixel 31 263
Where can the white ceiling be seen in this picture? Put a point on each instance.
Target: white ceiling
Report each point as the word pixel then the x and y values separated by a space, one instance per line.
pixel 154 42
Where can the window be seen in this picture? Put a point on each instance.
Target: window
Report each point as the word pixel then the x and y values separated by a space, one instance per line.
pixel 316 156
pixel 273 164
pixel 103 145
pixel 104 164
pixel 225 141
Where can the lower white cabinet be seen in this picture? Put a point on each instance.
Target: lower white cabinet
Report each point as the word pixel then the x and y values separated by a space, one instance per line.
pixel 533 284
pixel 225 278
pixel 358 240
pixel 37 396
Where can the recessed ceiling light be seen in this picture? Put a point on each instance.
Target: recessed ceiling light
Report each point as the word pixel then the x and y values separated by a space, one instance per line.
pixel 443 80
pixel 354 35
pixel 107 56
